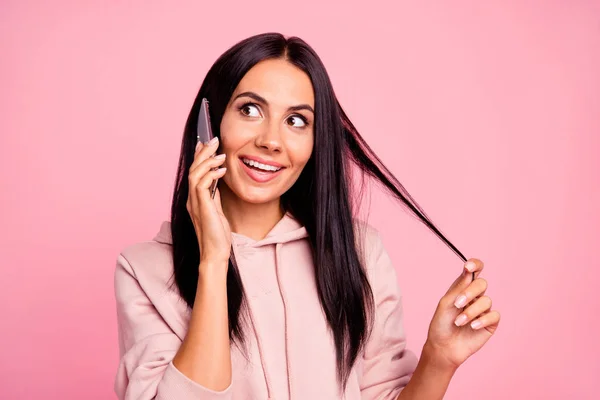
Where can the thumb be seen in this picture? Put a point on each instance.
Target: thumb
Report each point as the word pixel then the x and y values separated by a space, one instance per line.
pixel 461 282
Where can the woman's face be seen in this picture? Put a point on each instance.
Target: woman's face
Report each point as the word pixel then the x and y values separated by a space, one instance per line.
pixel 267 131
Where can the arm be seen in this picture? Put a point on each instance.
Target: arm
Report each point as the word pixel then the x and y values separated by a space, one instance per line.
pixel 204 355
pixel 390 370
pixel 148 346
pixel 448 345
pixel 429 381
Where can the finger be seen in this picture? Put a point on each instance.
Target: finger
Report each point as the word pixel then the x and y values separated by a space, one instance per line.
pixel 204 151
pixel 195 174
pixel 474 265
pixel 207 210
pixel 207 153
pixel 217 200
pixel 489 320
pixel 192 199
pixel 207 164
pixel 480 306
pixel 204 184
pixel 458 281
pixel 211 142
pixel 471 292
pixel 471 268
pixel 459 284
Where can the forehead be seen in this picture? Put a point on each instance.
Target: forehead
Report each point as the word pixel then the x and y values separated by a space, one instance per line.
pixel 279 82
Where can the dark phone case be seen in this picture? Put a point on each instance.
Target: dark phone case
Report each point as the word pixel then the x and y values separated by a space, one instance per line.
pixel 204 130
pixel 204 134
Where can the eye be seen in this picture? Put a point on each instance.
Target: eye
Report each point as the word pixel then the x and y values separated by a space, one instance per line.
pixel 299 119
pixel 248 109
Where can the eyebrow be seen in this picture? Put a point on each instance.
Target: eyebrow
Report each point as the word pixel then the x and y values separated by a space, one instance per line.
pixel 262 100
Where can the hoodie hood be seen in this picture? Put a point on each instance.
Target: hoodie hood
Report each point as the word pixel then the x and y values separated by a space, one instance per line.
pixel 288 229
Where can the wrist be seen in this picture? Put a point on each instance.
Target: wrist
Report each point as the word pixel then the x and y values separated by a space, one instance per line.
pixel 433 358
pixel 431 378
pixel 212 269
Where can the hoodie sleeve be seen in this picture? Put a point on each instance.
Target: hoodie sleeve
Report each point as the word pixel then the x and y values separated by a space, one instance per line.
pixel 387 364
pixel 147 347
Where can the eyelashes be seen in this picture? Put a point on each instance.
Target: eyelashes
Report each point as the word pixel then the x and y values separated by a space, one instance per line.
pixel 243 106
pixel 247 104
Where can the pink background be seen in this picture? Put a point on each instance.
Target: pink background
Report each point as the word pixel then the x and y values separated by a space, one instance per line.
pixel 488 112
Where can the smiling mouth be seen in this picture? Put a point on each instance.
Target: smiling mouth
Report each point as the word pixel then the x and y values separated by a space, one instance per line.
pixel 259 166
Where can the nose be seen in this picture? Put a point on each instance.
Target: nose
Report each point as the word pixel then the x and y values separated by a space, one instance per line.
pixel 269 138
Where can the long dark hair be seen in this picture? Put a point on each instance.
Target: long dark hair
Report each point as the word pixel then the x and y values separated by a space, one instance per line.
pixel 320 199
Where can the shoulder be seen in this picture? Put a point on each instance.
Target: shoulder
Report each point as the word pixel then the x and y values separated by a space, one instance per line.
pixel 150 262
pixel 144 285
pixel 144 272
pixel 376 260
pixel 368 243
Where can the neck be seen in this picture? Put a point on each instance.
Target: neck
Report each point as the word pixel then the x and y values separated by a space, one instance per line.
pixel 249 219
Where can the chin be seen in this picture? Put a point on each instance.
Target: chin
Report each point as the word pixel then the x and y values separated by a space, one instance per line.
pixel 259 196
pixel 255 195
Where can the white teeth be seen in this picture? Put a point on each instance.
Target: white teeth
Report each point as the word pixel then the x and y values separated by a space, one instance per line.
pixel 260 166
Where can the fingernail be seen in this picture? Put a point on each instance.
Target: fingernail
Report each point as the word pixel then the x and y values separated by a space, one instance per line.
pixel 462 318
pixel 470 266
pixel 213 141
pixel 460 301
pixel 198 145
pixel 220 156
pixel 476 324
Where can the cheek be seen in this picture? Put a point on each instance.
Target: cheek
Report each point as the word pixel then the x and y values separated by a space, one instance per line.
pixel 226 127
pixel 300 151
pixel 233 135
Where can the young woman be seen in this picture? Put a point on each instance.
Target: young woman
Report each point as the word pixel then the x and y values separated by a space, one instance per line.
pixel 273 289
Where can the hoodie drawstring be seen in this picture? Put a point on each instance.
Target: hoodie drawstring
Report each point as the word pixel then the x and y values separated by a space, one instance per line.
pixel 281 292
pixel 263 364
pixel 258 341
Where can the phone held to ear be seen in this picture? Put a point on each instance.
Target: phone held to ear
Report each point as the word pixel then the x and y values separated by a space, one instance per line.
pixel 204 134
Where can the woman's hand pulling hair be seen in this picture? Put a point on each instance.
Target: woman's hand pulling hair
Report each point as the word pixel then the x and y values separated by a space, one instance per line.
pixel 463 321
pixel 211 226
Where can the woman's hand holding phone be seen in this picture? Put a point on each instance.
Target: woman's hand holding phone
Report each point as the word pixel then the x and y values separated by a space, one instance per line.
pixel 206 342
pixel 211 225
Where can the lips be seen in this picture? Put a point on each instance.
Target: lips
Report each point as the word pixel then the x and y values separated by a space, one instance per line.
pixel 260 176
pixel 262 161
pixel 261 165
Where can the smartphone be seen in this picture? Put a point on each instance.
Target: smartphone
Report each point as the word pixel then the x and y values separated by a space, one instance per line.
pixel 204 134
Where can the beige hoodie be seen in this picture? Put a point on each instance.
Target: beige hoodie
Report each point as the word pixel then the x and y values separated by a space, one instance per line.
pixel 290 350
